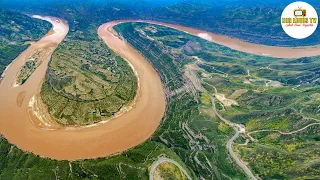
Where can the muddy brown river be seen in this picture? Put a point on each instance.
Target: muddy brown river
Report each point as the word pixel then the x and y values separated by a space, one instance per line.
pixel 120 133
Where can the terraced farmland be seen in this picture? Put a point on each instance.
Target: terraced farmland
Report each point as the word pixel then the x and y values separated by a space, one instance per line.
pixel 87 83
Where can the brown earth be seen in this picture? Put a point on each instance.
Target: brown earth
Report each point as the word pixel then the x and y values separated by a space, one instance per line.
pixel 20 98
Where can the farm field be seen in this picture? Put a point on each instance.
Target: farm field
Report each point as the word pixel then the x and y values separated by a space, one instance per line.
pixel 87 83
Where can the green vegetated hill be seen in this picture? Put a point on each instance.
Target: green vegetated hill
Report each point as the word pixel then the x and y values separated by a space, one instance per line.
pixel 189 128
pixel 133 164
pixel 167 170
pixel 253 21
pixel 86 82
pixel 15 30
pixel 262 93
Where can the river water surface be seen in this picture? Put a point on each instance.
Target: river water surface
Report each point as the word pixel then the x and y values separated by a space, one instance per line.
pixel 122 132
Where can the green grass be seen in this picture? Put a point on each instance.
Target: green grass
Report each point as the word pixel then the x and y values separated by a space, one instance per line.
pixel 205 98
pixel 170 171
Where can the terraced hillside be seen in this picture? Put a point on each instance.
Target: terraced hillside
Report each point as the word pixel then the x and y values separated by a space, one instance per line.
pixel 128 165
pixel 16 30
pixel 281 118
pixel 190 127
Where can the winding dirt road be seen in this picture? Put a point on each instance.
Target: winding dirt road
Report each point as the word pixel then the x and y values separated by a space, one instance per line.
pixel 120 133
pixel 278 131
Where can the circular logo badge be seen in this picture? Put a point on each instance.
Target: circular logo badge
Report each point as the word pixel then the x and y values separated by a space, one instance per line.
pixel 299 20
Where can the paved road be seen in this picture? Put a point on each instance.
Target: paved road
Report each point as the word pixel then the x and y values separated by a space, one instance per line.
pixel 162 160
pixel 233 155
pixel 229 143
